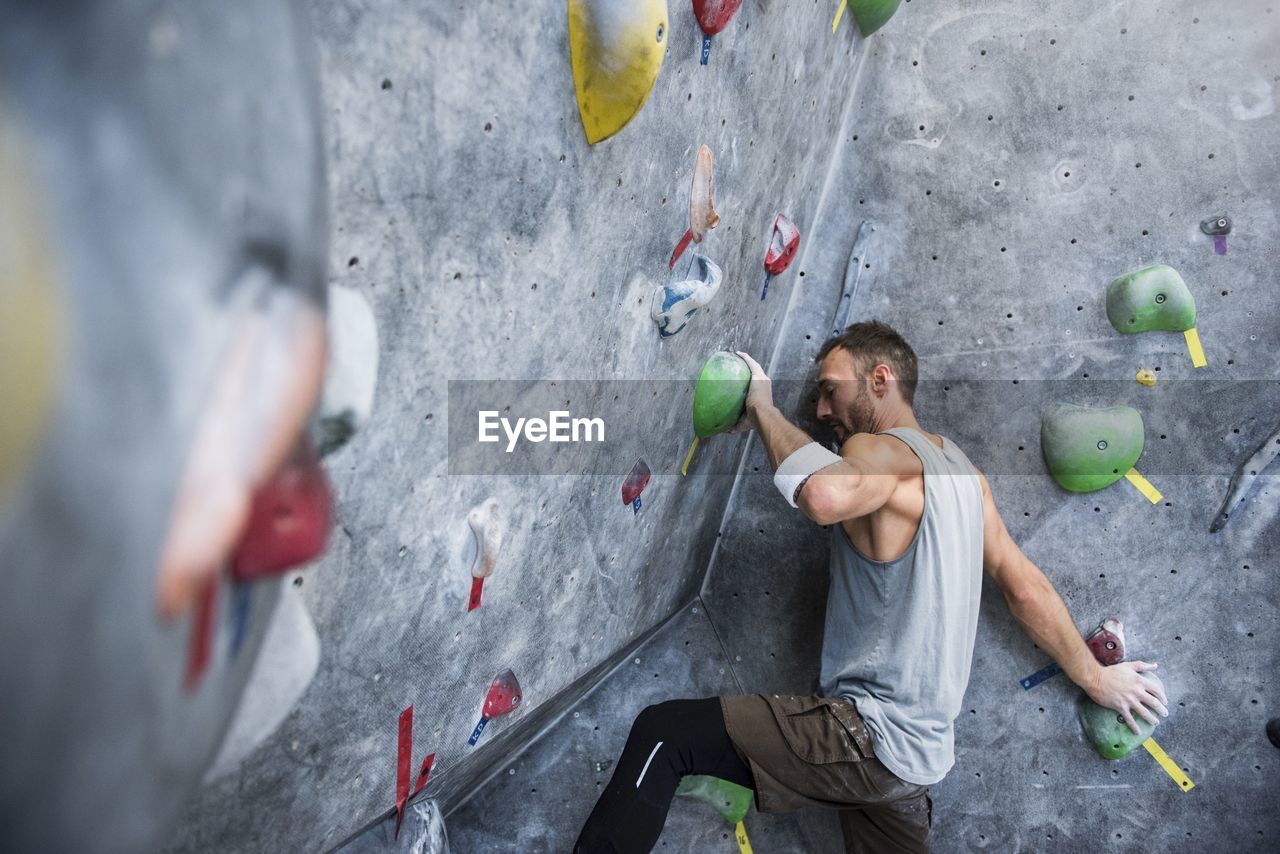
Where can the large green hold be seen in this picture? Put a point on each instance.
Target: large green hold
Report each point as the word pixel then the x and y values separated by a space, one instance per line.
pixel 1088 449
pixel 871 15
pixel 1154 299
pixel 729 799
pixel 1107 731
pixel 721 393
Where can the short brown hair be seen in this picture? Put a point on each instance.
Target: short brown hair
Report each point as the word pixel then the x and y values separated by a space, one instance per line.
pixel 878 343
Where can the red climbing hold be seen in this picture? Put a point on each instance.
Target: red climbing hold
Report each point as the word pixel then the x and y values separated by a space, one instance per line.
pixel 288 521
pixel 714 15
pixel 782 246
pixel 1106 642
pixel 637 480
pixel 504 695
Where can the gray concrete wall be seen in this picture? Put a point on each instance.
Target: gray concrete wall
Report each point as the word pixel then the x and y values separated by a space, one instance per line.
pixel 494 244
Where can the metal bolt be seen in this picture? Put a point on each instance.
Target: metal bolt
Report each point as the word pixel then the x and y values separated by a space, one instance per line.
pixel 1102 444
pixel 1159 298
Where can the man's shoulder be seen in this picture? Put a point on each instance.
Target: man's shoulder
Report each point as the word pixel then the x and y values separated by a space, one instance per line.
pixel 881 453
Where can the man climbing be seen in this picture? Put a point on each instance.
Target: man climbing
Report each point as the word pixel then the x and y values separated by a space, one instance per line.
pixel 913 525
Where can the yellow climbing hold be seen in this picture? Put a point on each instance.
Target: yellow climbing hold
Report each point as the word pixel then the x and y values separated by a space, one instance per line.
pixel 1194 348
pixel 616 48
pixel 1144 486
pixel 1170 767
pixel 684 469
pixel 1146 377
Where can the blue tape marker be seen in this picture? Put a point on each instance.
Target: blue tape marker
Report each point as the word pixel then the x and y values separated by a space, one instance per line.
pixel 475 733
pixel 765 290
pixel 1040 675
pixel 706 48
pixel 241 600
pixel 635 505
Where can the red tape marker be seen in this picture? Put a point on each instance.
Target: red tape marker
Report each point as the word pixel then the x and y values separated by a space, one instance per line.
pixel 200 641
pixel 680 247
pixel 477 587
pixel 403 758
pixel 425 772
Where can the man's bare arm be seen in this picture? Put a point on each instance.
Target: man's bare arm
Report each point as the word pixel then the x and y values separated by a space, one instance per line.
pixel 843 490
pixel 1036 605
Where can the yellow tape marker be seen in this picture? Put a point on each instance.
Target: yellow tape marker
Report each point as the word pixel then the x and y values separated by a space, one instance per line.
pixel 740 833
pixel 1144 486
pixel 839 15
pixel 1170 767
pixel 1194 348
pixel 684 469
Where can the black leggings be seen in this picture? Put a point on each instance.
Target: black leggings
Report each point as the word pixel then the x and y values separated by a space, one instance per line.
pixel 667 741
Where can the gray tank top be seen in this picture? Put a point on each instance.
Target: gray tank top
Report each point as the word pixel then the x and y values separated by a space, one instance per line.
pixel 900 633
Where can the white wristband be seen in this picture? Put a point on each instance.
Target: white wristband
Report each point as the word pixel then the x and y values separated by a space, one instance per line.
pixel 797 468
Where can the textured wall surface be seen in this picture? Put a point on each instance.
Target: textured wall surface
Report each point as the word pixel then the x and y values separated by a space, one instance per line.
pixel 967 120
pixel 494 244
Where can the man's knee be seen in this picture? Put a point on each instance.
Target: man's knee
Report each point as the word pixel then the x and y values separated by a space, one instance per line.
pixel 655 721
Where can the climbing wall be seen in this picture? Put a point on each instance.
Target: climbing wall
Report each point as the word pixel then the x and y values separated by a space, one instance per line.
pixel 952 215
pixel 494 244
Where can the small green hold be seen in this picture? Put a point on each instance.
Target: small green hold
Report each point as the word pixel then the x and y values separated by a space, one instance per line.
pixel 1154 299
pixel 722 390
pixel 729 799
pixel 1107 731
pixel 1088 449
pixel 871 15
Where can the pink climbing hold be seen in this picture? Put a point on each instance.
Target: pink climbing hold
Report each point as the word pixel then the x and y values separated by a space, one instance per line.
pixel 702 213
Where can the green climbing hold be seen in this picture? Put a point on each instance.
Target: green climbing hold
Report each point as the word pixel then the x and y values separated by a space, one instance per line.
pixel 1088 449
pixel 1154 299
pixel 729 799
pixel 1107 731
pixel 871 15
pixel 721 393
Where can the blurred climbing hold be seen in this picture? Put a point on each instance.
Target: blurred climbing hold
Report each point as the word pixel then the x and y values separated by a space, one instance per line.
pixel 30 316
pixel 713 16
pixel 637 479
pixel 702 213
pixel 352 372
pixel 1107 731
pixel 503 698
pixel 1087 449
pixel 289 519
pixel 718 398
pixel 486 521
pixel 1217 227
pixel 1242 481
pixel 1146 377
pixel 729 799
pixel 404 758
pixel 783 244
pixel 1155 299
pixel 616 49
pixel 869 15
pixel 1273 731
pixel 672 305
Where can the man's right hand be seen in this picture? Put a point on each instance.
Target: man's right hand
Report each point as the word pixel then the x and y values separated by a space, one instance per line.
pixel 1119 687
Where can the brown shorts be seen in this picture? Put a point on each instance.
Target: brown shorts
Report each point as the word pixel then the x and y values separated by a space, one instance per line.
pixel 816 751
